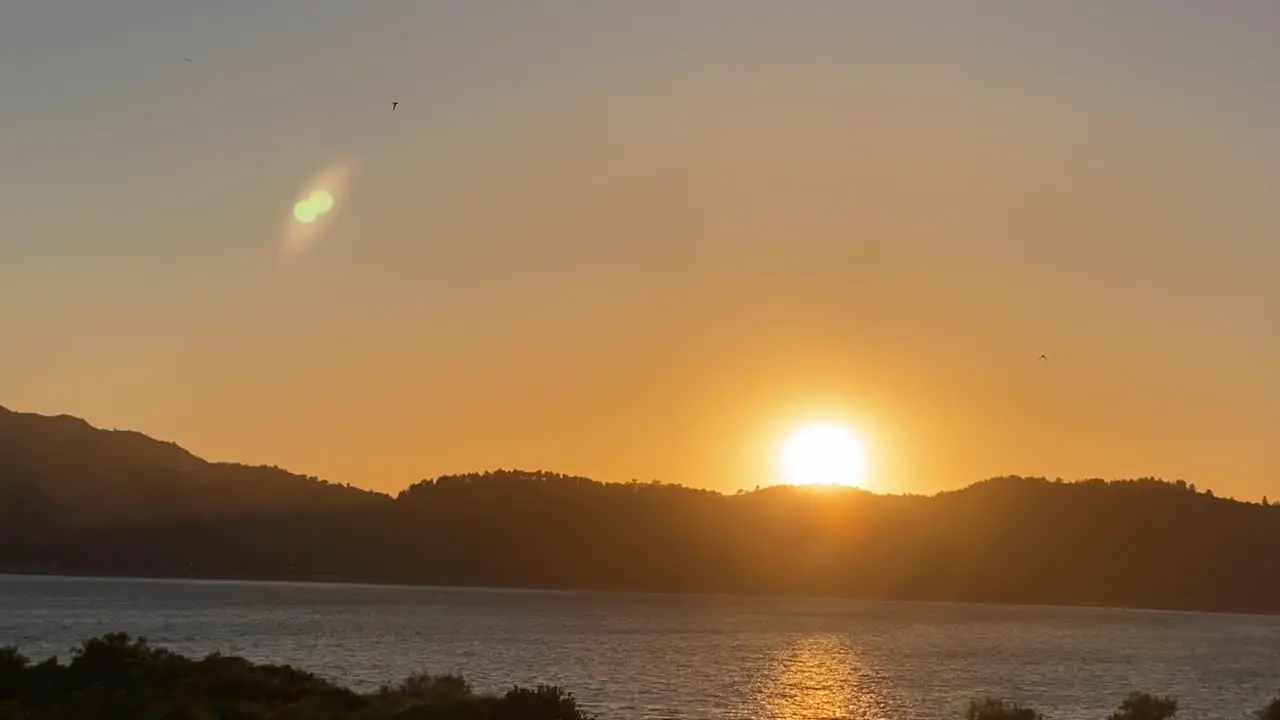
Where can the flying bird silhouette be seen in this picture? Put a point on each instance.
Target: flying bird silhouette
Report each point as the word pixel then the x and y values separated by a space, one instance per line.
pixel 1044 357
pixel 393 106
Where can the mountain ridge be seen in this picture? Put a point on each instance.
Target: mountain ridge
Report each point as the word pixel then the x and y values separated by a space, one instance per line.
pixel 64 472
pixel 1142 542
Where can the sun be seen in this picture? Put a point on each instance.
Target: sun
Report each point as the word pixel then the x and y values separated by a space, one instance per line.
pixel 823 453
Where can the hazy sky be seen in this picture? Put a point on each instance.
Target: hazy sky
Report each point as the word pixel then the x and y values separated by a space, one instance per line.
pixel 640 239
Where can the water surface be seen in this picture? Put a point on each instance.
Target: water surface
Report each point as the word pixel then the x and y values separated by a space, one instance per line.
pixel 635 657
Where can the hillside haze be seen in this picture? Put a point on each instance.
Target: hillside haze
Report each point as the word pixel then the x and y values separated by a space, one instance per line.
pixel 76 499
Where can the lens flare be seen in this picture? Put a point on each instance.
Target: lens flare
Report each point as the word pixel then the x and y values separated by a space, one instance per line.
pixel 321 200
pixel 304 212
pixel 314 206
pixel 314 212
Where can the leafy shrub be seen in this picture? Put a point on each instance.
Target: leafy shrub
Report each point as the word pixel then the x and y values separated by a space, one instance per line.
pixel 1141 706
pixel 545 702
pixel 1270 712
pixel 997 709
pixel 116 677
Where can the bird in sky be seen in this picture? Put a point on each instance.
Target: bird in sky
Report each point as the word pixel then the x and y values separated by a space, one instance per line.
pixel 1044 357
pixel 393 106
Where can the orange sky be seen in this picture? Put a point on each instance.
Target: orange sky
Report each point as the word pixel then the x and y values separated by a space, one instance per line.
pixel 643 243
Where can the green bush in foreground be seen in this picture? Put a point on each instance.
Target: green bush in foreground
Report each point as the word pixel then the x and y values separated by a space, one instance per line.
pixel 1138 706
pixel 117 677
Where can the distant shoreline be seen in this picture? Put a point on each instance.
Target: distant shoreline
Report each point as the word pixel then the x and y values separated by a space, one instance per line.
pixel 602 592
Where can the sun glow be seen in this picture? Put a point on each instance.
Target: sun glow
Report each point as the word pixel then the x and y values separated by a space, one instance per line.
pixel 823 453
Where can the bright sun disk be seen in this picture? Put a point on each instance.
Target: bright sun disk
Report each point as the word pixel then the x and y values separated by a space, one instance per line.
pixel 823 454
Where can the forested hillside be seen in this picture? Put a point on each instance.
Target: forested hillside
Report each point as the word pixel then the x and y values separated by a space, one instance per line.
pixel 78 500
pixel 60 474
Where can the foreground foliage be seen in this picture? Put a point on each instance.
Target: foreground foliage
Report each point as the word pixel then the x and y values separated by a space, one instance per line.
pixel 117 677
pixel 1138 706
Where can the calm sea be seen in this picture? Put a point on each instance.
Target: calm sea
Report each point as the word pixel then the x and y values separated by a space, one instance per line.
pixel 629 657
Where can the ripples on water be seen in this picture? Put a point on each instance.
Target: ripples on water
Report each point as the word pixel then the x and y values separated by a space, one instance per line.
pixel 634 657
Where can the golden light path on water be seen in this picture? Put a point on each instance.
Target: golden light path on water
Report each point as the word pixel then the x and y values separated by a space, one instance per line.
pixel 315 209
pixel 821 677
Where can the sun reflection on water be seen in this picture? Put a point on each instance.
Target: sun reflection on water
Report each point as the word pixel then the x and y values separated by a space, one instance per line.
pixel 822 677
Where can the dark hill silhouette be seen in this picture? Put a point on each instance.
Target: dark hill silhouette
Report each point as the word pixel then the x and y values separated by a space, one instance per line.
pixel 60 474
pixel 1142 542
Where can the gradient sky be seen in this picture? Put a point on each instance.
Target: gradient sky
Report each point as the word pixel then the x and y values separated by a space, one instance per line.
pixel 641 239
